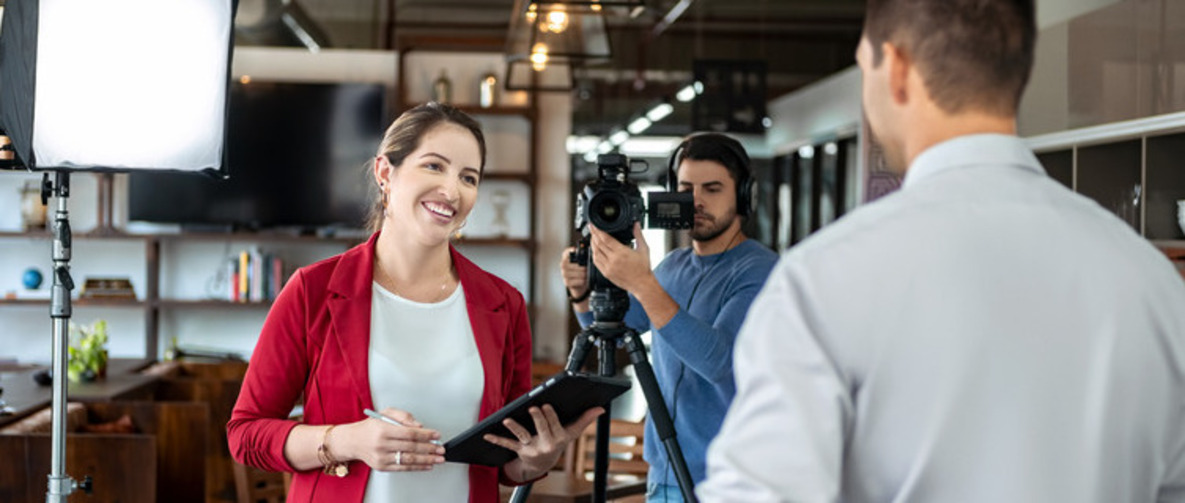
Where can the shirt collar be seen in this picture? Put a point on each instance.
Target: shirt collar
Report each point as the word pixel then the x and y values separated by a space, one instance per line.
pixel 971 150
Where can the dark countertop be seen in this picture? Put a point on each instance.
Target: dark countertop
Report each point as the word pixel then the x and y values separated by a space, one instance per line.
pixel 123 381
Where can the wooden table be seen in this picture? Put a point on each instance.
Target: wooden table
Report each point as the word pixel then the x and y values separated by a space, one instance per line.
pixel 565 488
pixel 123 382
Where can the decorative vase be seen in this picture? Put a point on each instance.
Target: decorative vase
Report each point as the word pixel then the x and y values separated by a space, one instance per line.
pixel 487 92
pixel 500 199
pixel 442 88
pixel 33 213
pixel 1181 214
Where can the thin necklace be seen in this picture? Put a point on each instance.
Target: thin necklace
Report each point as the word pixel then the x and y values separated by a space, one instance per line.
pixel 391 281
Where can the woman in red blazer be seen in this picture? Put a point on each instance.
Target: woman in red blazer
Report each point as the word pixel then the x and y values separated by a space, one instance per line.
pixel 378 325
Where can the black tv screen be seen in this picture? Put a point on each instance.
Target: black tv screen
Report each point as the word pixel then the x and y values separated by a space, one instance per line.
pixel 298 156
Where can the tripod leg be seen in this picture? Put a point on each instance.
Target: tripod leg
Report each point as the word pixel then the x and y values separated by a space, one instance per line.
pixel 580 346
pixel 608 367
pixel 660 415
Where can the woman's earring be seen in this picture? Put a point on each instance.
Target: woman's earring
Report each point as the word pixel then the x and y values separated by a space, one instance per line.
pixel 383 190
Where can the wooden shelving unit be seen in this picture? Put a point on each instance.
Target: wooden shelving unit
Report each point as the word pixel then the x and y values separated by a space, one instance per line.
pixel 151 302
pixel 524 173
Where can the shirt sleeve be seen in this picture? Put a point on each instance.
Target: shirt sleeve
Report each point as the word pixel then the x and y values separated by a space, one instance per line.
pixel 706 346
pixel 259 423
pixel 783 437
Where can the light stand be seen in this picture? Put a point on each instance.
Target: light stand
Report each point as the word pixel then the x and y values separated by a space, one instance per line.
pixel 60 484
pixel 158 75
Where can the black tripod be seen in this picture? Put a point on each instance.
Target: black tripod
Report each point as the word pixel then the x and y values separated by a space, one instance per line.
pixel 608 336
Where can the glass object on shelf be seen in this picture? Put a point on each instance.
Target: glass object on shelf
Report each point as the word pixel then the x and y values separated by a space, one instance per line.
pixel 32 211
pixel 500 199
pixel 442 88
pixel 1181 214
pixel 1127 205
pixel 487 96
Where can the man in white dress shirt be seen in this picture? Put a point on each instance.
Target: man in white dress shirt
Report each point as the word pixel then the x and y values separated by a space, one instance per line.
pixel 982 335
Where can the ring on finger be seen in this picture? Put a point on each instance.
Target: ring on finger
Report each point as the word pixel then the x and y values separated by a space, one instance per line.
pixel 399 457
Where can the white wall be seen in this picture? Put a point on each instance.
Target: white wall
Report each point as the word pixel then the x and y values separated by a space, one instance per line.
pixel 1051 12
pixel 821 111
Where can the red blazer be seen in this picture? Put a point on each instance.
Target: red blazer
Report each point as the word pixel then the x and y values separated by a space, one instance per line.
pixel 315 342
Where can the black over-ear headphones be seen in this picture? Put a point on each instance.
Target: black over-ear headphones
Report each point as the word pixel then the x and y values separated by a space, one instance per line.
pixel 745 184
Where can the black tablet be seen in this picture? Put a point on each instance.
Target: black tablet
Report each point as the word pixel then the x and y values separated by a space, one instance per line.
pixel 569 393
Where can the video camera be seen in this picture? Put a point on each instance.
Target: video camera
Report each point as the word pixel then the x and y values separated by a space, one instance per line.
pixel 613 204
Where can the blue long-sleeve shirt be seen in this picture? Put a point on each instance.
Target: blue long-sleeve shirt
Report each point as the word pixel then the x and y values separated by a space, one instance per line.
pixel 692 354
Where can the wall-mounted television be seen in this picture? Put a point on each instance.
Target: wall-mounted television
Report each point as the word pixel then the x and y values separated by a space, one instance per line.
pixel 298 155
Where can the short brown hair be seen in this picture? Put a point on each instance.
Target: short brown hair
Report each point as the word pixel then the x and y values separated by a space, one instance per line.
pixel 972 54
pixel 404 135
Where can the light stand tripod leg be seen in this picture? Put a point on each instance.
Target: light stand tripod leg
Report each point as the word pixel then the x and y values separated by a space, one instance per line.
pixel 60 485
pixel 659 414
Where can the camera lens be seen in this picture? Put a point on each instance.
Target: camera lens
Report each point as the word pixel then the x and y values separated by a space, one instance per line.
pixel 608 211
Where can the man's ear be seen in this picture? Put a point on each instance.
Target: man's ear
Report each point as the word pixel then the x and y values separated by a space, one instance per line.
pixel 898 67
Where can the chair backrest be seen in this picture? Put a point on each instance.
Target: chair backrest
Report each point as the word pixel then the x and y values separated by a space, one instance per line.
pixel 625 449
pixel 253 485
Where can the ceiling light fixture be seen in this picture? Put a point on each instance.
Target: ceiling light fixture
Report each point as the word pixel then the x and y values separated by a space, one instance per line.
pixel 659 111
pixel 614 7
pixel 539 57
pixel 690 91
pixel 556 21
pixel 535 73
pixel 548 40
pixel 638 125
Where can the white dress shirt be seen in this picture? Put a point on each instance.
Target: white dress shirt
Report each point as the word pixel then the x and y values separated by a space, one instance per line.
pixel 982 335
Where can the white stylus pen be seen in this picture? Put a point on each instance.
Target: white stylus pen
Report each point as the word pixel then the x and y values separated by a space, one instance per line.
pixel 388 420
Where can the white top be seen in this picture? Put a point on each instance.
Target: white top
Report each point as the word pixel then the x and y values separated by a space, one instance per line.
pixel 983 335
pixel 423 359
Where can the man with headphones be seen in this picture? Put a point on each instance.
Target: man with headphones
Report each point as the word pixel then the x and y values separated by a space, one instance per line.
pixel 693 302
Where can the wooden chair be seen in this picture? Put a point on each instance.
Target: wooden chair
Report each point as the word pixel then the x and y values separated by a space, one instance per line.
pixel 253 485
pixel 625 449
pixel 627 470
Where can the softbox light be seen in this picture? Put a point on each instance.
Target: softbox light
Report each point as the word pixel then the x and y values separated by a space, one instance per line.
pixel 116 85
pixel 112 85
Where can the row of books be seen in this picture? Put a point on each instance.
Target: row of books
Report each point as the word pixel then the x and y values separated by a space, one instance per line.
pixel 256 276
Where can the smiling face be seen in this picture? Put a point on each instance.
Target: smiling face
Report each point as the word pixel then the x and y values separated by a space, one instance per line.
pixel 431 193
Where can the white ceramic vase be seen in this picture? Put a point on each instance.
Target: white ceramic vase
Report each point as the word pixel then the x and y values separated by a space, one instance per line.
pixel 1181 214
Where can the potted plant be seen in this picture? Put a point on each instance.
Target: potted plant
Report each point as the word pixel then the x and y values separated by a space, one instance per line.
pixel 88 352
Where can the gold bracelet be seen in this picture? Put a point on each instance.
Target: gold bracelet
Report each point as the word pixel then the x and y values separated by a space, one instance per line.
pixel 332 465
